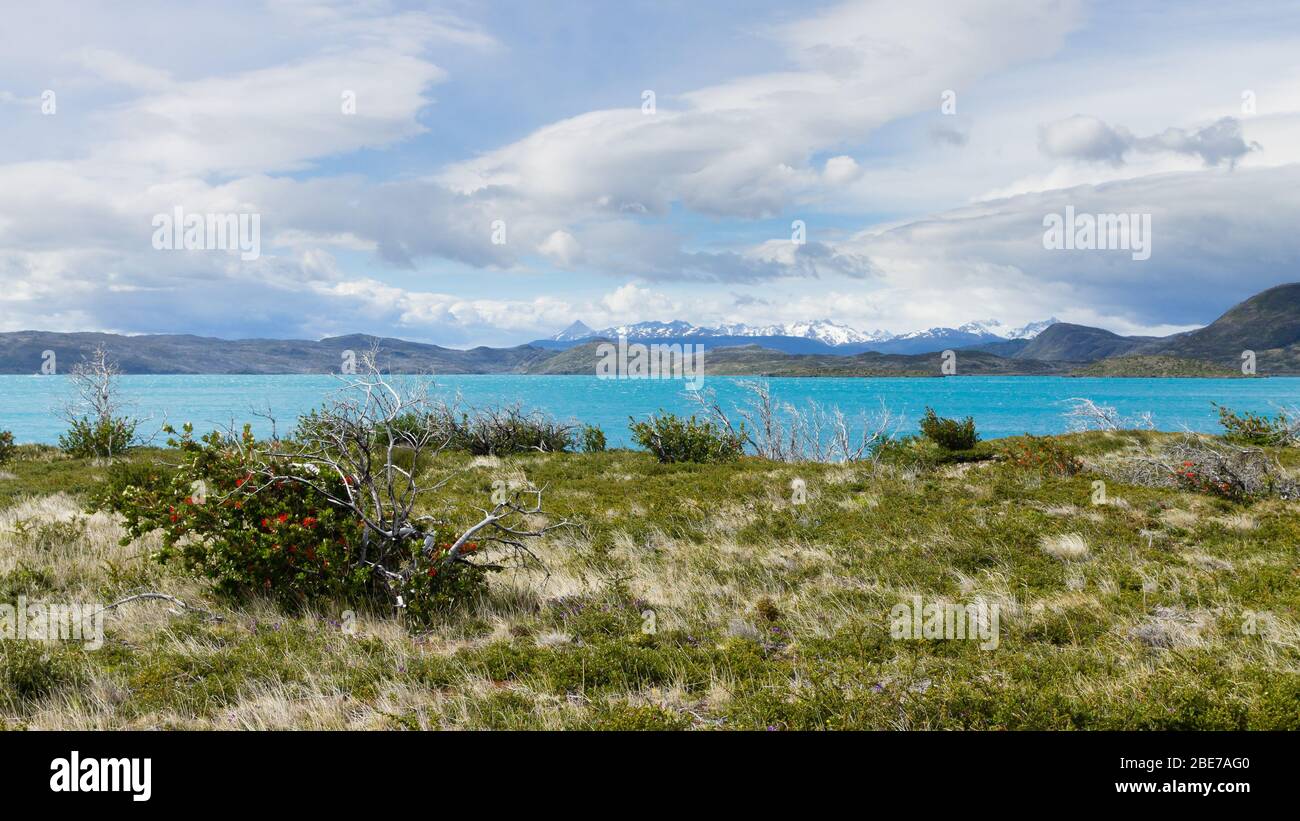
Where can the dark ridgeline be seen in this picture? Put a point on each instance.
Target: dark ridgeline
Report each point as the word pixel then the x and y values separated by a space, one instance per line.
pixel 1267 323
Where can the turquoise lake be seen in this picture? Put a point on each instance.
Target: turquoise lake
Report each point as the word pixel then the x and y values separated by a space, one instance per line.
pixel 1001 405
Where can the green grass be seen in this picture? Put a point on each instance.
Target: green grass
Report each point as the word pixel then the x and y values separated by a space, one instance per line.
pixel 765 613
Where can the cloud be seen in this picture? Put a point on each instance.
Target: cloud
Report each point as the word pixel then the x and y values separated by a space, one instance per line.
pixel 561 248
pixel 382 220
pixel 1084 138
pixel 1214 143
pixel 1089 139
pixel 1211 247
pixel 948 135
pixel 743 148
pixel 840 170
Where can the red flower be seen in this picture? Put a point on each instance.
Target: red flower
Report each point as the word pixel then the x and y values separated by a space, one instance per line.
pixel 309 521
pixel 266 524
pixel 282 518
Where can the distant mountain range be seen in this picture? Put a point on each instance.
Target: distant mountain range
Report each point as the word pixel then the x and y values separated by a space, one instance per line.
pixel 815 336
pixel 1268 324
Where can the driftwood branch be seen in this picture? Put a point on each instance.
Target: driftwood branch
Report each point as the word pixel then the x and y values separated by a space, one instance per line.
pixel 155 596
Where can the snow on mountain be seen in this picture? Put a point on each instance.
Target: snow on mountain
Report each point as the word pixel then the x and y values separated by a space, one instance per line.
pixel 1033 329
pixel 822 330
pixel 989 329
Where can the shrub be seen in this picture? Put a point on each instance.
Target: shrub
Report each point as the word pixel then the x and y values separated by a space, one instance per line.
pixel 1254 429
pixel 909 451
pixel 1041 453
pixel 921 453
pixel 592 439
pixel 241 515
pixel 501 431
pixel 45 536
pixel 1236 474
pixel 949 434
pixel 7 446
pixel 124 474
pixel 31 670
pixel 674 439
pixel 89 437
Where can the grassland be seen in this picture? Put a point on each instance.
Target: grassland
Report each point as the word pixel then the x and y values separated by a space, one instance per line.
pixel 1159 609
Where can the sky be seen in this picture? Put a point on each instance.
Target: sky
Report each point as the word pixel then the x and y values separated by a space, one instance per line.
pixel 485 173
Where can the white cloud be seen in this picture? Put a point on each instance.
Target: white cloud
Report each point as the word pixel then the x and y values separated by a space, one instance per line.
pixel 666 200
pixel 561 248
pixel 743 148
pixel 841 169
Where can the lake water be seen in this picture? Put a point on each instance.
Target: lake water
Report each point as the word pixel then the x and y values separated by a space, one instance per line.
pixel 1001 405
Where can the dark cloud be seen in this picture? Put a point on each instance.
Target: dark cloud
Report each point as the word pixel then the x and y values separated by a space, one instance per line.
pixel 1088 138
pixel 948 135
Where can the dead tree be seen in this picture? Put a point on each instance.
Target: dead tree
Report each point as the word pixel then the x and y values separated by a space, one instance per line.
pixel 368 450
pixel 96 414
pixel 783 432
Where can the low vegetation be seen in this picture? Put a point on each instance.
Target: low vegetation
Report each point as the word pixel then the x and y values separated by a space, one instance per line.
pixel 7 446
pixel 1141 580
pixel 1256 429
pixel 672 438
pixel 949 434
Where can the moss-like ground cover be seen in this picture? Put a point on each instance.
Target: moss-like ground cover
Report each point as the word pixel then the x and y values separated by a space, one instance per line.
pixel 705 597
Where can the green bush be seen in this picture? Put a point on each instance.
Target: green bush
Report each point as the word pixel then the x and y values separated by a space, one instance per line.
pixel 949 434
pixel 674 439
pixel 125 474
pixel 482 432
pixel 909 451
pixel 104 437
pixel 239 515
pixel 919 452
pixel 502 431
pixel 7 446
pixel 30 670
pixel 1254 429
pixel 592 439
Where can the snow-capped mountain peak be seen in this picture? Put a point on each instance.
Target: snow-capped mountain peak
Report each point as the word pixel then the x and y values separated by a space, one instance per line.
pixel 1033 329
pixel 822 330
